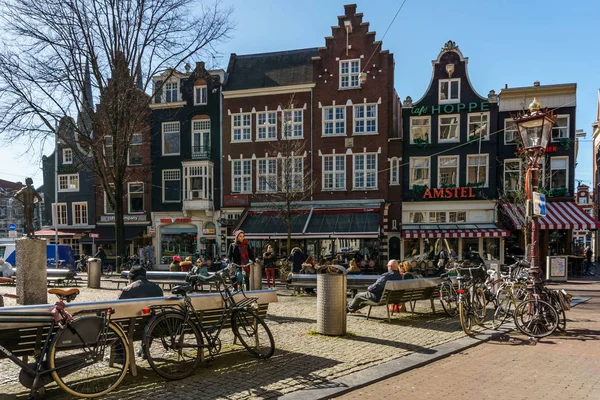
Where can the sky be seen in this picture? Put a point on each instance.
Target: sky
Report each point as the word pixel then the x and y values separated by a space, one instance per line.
pixel 507 42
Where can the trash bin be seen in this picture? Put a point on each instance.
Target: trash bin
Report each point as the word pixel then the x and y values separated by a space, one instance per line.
pixel 331 302
pixel 94 272
pixel 255 277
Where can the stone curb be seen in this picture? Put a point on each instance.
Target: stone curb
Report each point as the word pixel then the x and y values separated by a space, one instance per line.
pixel 386 370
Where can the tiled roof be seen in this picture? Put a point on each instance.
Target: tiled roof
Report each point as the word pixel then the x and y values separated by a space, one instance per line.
pixel 282 68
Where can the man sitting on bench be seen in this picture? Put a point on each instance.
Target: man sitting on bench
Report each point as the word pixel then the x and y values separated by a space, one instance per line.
pixel 374 292
pixel 139 286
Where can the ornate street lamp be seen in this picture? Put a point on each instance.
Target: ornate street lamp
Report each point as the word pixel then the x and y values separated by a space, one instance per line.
pixel 534 127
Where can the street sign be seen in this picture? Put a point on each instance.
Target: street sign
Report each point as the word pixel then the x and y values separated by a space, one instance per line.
pixel 539 204
pixel 95 235
pixel 12 234
pixel 12 227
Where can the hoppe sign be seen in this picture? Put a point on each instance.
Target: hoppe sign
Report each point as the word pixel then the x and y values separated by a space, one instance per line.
pixel 450 108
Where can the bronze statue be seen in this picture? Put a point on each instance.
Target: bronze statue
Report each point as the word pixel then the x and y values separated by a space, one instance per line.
pixel 27 197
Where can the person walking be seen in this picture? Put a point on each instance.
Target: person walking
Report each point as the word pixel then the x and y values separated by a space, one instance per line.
pixel 241 253
pixel 269 259
pixel 588 257
pixel 101 254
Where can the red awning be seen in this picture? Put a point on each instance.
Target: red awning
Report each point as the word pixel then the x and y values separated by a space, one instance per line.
pixel 52 233
pixel 454 233
pixel 559 215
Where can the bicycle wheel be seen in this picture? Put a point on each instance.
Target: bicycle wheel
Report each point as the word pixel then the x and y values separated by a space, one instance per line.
pixel 466 317
pixel 479 305
pixel 172 346
pixel 93 369
pixel 253 333
pixel 536 318
pixel 504 308
pixel 448 299
pixel 592 269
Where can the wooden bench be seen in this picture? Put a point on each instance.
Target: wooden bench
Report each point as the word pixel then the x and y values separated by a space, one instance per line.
pixel 408 291
pixel 26 339
pixel 354 283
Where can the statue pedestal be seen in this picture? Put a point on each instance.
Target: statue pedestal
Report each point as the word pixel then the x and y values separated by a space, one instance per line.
pixel 31 271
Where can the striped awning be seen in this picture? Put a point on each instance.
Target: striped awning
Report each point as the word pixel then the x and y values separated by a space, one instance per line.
pixel 559 215
pixel 488 230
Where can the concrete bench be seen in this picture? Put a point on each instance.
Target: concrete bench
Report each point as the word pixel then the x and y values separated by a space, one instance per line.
pixel 408 291
pixel 27 339
pixel 164 278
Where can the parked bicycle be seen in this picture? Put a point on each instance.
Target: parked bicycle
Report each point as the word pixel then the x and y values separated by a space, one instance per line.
pixel 448 293
pixel 175 339
pixel 471 298
pixel 86 356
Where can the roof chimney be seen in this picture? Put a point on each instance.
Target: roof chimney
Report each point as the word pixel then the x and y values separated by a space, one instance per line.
pixel 200 65
pixel 506 86
pixel 536 83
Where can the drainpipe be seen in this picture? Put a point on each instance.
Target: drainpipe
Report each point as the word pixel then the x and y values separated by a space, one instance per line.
pixel 311 144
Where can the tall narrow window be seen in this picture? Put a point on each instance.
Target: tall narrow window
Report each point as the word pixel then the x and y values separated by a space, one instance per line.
pixel 419 171
pixel 171 92
pixel 511 133
pixel 293 174
pixel 267 175
pixel 334 172
pixel 266 125
pixel 171 185
pixel 199 181
pixel 170 138
pixel 241 175
pixel 134 155
pixel 394 171
pixel 80 213
pixel 293 120
pixel 200 95
pixel 135 192
pixel 560 130
pixel 448 171
pixel 200 139
pixel 449 128
pixel 449 91
pixel 108 208
pixel 420 130
pixel 478 126
pixel 512 175
pixel 365 119
pixel 349 73
pixel 241 127
pixel 365 171
pixel 108 151
pixel 59 213
pixel 67 156
pixel 559 172
pixel 334 121
pixel 477 170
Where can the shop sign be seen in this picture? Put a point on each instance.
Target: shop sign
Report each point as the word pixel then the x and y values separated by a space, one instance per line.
pixel 449 193
pixel 450 108
pixel 235 200
pixel 126 218
pixel 208 231
pixel 175 220
pixel 549 149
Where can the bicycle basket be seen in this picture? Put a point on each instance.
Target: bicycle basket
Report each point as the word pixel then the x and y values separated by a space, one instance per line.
pixel 478 274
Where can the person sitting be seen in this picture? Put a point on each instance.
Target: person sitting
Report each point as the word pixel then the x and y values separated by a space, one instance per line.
pixel 374 292
pixel 139 286
pixel 408 270
pixel 175 265
pixel 198 274
pixel 6 270
pixel 187 264
pixel 353 268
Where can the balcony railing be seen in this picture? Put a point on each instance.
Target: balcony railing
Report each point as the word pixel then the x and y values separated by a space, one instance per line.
pixel 200 152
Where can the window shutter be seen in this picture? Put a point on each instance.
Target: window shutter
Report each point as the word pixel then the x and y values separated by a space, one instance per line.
pixel 158 94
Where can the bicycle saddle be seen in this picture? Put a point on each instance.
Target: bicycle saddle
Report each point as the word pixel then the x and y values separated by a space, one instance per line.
pixel 181 290
pixel 63 292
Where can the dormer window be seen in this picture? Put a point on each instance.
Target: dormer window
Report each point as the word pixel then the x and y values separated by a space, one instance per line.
pixel 67 156
pixel 349 74
pixel 171 92
pixel 449 91
pixel 200 95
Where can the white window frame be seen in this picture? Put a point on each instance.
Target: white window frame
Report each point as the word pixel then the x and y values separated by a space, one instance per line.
pixel 487 167
pixel 394 171
pixel 456 214
pixel 510 161
pixel 583 200
pixel 200 127
pixel 108 150
pixel 244 128
pixel 164 127
pixel 200 95
pixel 171 87
pixel 449 100
pixel 335 122
pixel 412 163
pixel 268 176
pixel 412 220
pixel 487 125
pixel 134 136
pixel 514 131
pixel 334 172
pixel 366 172
pixel 106 203
pixel 295 119
pixel 245 184
pixel 266 126
pixel 350 77
pixel 202 171
pixel 412 125
pixel 129 184
pixel 296 175
pixel 67 156
pixel 171 175
pixel 82 215
pixel 71 181
pixel 453 140
pixel 566 158
pixel 439 177
pixel 365 119
pixel 62 214
pixel 558 128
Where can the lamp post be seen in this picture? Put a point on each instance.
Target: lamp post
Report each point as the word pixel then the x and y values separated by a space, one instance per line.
pixel 534 128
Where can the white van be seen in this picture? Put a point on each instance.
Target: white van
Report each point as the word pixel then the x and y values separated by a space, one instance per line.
pixel 7 251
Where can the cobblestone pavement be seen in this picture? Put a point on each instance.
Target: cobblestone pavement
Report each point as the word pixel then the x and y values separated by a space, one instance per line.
pixel 562 366
pixel 302 359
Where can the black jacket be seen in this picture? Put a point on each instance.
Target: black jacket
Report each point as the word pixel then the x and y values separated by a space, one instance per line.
pixel 379 285
pixel 297 259
pixel 141 288
pixel 269 258
pixel 235 256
